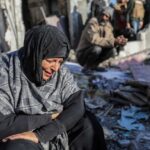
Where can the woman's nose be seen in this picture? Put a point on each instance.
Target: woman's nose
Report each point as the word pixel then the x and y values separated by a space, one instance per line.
pixel 56 66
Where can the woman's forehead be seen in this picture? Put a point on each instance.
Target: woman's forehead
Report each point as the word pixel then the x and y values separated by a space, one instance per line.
pixel 57 58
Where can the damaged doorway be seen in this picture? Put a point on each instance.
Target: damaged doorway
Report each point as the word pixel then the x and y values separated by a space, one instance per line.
pixel 33 15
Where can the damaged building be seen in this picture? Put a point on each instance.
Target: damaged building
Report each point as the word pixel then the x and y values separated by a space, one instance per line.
pixel 17 16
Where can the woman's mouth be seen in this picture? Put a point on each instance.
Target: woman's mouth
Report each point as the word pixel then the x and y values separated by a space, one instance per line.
pixel 48 74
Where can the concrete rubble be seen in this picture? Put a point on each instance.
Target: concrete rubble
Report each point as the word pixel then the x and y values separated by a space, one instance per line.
pixel 120 99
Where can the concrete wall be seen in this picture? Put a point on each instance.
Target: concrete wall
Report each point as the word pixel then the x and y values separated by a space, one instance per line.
pixel 15 29
pixel 82 9
pixel 142 43
pixel 144 36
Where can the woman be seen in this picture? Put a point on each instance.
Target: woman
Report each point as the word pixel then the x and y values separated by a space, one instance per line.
pixel 41 106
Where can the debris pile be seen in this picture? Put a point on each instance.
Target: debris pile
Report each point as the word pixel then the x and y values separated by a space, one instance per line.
pixel 120 100
pixel 133 92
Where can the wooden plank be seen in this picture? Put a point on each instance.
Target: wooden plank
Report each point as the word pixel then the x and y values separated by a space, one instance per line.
pixel 129 97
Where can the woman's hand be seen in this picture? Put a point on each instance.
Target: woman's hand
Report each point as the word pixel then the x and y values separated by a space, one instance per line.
pixel 25 135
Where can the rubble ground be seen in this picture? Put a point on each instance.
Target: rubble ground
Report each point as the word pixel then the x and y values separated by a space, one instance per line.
pixel 120 100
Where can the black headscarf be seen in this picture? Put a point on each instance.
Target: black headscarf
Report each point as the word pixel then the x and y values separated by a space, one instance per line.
pixel 42 42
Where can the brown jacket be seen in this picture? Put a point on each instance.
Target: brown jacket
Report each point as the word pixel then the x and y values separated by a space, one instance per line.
pixel 96 33
pixel 138 10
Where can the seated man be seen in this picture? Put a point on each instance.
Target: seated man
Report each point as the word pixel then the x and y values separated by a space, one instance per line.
pixel 97 41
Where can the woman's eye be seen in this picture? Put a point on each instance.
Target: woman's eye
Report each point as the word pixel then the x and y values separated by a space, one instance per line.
pixel 61 62
pixel 49 61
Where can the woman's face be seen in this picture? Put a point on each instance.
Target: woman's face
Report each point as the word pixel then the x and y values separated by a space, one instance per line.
pixel 49 66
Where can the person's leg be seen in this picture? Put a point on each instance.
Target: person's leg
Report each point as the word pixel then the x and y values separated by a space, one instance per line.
pixel 89 56
pixel 20 145
pixel 106 54
pixel 87 135
pixel 135 25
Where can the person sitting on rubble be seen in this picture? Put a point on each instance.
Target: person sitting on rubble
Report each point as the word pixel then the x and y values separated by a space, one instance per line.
pixel 97 41
pixel 41 105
